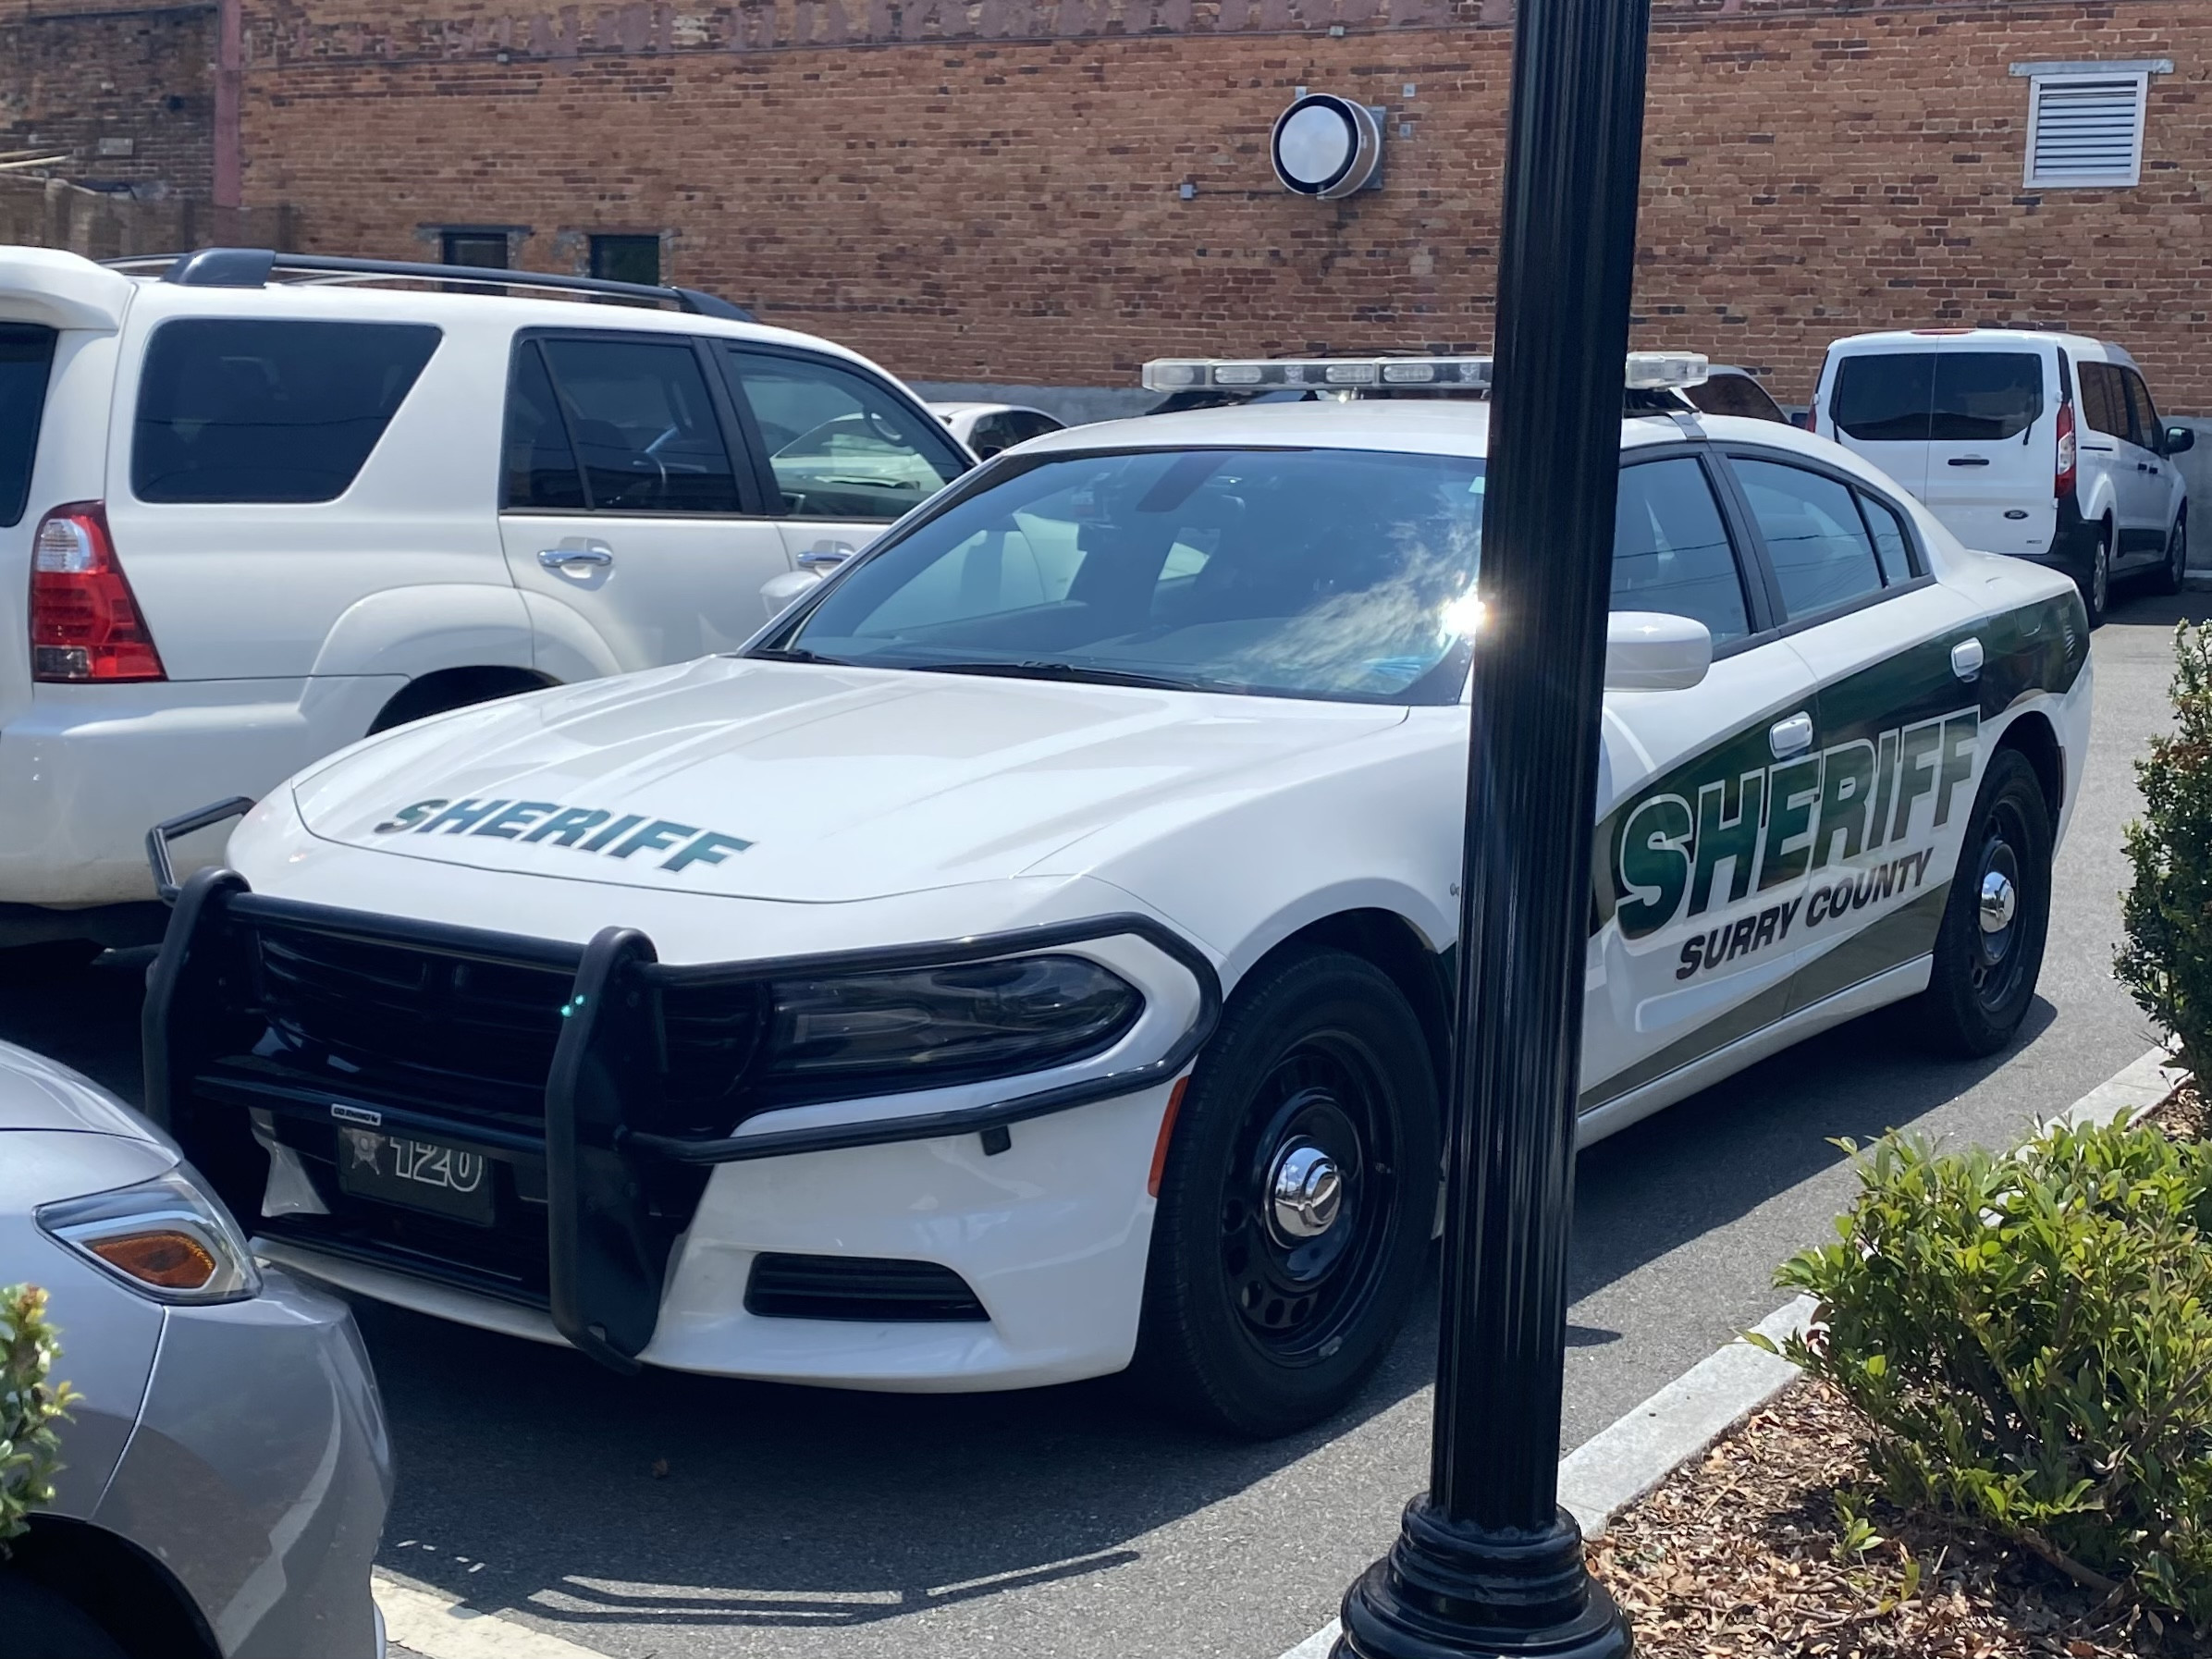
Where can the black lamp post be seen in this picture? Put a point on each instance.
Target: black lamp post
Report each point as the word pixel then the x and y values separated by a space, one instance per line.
pixel 1487 1561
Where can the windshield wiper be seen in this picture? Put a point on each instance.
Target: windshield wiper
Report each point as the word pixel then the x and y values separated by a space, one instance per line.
pixel 797 654
pixel 1071 673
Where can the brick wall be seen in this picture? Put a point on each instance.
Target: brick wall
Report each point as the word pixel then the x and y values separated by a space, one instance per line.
pixel 990 192
pixel 123 90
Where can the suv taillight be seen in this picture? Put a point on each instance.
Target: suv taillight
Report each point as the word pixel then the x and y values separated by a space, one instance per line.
pixel 2062 478
pixel 85 625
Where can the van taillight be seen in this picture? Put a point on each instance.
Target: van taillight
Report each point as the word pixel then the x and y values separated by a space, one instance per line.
pixel 2062 480
pixel 85 625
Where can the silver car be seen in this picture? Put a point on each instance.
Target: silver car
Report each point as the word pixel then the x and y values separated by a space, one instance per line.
pixel 227 1468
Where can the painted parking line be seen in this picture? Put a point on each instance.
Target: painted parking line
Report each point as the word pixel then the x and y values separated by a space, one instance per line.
pixel 437 1627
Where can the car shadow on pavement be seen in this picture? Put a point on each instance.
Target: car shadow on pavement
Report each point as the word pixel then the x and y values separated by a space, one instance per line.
pixel 532 1478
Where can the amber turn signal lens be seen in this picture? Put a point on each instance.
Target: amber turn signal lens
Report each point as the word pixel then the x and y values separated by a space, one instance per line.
pixel 171 1260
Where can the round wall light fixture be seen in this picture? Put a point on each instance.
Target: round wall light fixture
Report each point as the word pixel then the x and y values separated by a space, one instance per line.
pixel 1327 146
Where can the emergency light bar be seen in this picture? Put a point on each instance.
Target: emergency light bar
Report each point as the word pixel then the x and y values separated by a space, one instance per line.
pixel 1647 371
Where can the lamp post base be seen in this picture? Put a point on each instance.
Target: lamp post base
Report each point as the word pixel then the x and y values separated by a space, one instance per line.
pixel 1448 1591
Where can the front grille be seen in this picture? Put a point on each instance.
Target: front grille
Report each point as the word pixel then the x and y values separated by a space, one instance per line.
pixel 858 1287
pixel 395 1021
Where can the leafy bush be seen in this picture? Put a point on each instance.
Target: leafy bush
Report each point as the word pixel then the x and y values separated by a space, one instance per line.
pixel 29 1407
pixel 2028 1338
pixel 2166 961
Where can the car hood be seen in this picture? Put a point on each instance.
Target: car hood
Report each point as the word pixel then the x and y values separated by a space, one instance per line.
pixel 39 1093
pixel 797 782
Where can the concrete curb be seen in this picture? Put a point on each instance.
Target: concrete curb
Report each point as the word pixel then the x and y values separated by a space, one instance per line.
pixel 437 1627
pixel 1619 1464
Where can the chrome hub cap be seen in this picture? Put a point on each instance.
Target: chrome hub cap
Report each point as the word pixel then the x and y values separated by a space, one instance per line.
pixel 1305 1194
pixel 1999 900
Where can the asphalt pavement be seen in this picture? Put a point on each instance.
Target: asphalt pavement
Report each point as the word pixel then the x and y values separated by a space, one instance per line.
pixel 674 1515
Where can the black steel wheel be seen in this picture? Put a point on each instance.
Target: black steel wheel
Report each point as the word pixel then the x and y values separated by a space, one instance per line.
pixel 1989 944
pixel 1296 1202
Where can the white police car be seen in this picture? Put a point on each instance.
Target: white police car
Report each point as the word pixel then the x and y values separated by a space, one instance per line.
pixel 1029 956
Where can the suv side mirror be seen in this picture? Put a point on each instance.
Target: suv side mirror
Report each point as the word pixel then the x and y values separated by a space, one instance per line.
pixel 1650 650
pixel 2179 438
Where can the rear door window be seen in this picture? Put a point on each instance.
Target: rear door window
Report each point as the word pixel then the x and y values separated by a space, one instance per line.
pixel 1885 397
pixel 26 357
pixel 1984 396
pixel 1816 543
pixel 1670 547
pixel 245 410
pixel 841 444
pixel 539 467
pixel 643 425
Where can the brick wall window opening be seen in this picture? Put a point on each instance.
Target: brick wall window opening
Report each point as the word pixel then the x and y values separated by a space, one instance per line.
pixel 2085 130
pixel 627 259
pixel 487 249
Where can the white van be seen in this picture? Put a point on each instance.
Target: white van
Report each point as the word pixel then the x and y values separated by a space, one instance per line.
pixel 2044 446
pixel 255 506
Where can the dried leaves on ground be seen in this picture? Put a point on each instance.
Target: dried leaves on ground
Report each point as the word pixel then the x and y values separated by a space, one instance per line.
pixel 2183 1113
pixel 1768 1545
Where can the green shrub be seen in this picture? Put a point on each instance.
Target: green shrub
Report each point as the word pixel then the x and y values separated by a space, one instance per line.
pixel 2028 1339
pixel 2166 961
pixel 29 1407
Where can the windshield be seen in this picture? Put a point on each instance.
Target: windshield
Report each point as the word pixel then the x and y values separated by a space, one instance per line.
pixel 1346 576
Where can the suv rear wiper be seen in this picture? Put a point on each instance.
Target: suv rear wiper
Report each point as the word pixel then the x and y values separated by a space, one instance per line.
pixel 1071 673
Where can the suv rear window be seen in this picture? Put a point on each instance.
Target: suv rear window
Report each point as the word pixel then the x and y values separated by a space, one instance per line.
pixel 25 354
pixel 246 409
pixel 1944 396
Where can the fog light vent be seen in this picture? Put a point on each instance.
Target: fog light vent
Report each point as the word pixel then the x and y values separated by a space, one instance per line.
pixel 858 1287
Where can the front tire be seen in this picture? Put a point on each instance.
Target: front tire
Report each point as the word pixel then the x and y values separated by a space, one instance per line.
pixel 1296 1201
pixel 1989 944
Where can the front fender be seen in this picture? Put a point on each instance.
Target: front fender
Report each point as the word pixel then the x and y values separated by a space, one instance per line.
pixel 417 631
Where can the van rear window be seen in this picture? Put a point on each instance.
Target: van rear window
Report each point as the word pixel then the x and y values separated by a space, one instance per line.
pixel 1944 396
pixel 1984 396
pixel 1884 397
pixel 26 356
pixel 248 409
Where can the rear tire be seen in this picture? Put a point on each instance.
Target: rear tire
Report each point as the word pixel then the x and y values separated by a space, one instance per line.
pixel 2168 576
pixel 1989 944
pixel 1263 1315
pixel 2097 581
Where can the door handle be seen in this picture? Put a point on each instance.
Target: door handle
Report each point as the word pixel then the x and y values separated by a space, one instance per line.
pixel 825 555
pixel 1967 658
pixel 1968 461
pixel 555 558
pixel 1792 736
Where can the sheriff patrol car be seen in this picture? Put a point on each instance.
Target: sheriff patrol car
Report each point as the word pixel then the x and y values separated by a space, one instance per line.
pixel 1029 957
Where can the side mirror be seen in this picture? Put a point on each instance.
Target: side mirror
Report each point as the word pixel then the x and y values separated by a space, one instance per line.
pixel 2179 438
pixel 778 592
pixel 1650 650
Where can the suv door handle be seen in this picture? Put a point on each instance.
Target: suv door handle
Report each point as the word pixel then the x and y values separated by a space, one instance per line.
pixel 1968 461
pixel 555 558
pixel 1967 658
pixel 824 555
pixel 1792 736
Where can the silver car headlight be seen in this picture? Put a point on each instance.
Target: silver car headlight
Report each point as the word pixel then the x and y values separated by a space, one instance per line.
pixel 165 1238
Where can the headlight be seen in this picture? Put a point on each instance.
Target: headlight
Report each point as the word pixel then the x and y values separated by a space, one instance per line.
pixel 976 1019
pixel 164 1237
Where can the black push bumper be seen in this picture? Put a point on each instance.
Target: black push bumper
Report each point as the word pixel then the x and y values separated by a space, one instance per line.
pixel 584 1075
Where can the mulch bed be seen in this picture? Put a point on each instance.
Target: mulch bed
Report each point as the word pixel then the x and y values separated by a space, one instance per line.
pixel 1742 1553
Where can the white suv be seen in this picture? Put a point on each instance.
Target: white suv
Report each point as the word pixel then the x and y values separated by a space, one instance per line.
pixel 2042 446
pixel 252 518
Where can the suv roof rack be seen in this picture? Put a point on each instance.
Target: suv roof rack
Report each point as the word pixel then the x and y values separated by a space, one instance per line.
pixel 253 267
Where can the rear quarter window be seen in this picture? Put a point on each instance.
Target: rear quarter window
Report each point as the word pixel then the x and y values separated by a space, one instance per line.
pixel 246 409
pixel 25 358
